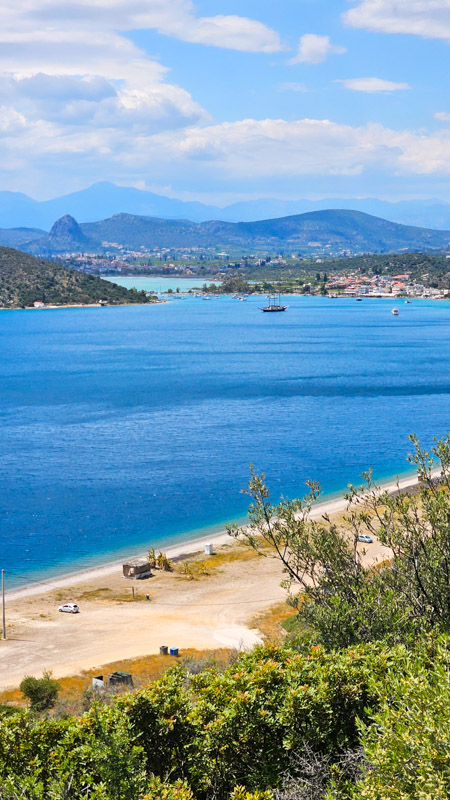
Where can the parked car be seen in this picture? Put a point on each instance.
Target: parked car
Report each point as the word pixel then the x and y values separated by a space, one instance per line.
pixel 364 537
pixel 69 608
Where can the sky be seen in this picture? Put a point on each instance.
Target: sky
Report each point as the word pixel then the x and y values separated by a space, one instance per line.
pixel 225 100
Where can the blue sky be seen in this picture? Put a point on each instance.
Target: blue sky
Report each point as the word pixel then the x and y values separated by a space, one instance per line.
pixel 220 100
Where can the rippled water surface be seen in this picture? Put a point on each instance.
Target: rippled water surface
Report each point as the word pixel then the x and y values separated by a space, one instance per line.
pixel 122 427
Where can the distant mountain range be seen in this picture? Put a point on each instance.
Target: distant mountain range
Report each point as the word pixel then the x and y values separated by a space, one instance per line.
pixel 102 200
pixel 304 233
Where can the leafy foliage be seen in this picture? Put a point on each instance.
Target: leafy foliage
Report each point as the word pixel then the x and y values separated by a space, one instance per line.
pixel 212 731
pixel 407 745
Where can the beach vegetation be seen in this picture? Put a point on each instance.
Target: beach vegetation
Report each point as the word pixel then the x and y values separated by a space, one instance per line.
pixel 163 562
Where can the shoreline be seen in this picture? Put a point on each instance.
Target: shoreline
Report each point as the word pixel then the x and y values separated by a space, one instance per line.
pixel 189 293
pixel 189 546
pixel 201 608
pixel 82 305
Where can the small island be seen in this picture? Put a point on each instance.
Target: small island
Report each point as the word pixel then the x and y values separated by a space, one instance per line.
pixel 30 282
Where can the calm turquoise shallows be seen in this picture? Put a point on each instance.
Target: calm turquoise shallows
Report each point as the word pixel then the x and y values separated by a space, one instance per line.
pixel 126 427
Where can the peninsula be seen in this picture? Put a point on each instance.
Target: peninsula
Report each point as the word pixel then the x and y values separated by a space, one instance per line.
pixel 28 282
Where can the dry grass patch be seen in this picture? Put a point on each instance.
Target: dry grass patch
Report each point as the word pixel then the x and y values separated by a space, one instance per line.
pixel 270 622
pixel 112 596
pixel 197 565
pixel 144 670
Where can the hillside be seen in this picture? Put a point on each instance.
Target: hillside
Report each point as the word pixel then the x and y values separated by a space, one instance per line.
pixel 339 230
pixel 343 228
pixel 15 237
pixel 25 279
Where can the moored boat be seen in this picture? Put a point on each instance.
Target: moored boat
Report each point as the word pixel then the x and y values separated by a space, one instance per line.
pixel 274 306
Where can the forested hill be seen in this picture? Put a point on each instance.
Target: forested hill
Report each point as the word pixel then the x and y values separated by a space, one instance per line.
pixel 335 229
pixel 25 279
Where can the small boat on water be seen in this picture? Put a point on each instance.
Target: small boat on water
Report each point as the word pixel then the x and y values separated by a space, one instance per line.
pixel 274 306
pixel 359 299
pixel 395 312
pixel 407 301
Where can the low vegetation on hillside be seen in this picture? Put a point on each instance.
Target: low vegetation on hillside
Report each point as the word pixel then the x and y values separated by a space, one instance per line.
pixel 354 705
pixel 25 280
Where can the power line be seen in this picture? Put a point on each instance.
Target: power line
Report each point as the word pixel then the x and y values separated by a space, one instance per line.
pixel 3 605
pixel 171 605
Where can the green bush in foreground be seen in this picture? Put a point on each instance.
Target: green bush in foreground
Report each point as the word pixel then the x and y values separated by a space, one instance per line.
pixel 257 728
pixel 407 745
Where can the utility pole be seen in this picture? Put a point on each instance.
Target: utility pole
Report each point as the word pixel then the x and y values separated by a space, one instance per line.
pixel 3 605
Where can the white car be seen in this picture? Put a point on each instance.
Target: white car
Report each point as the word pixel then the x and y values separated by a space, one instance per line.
pixel 69 608
pixel 364 537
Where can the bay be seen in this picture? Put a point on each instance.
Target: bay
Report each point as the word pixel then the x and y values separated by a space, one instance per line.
pixel 151 284
pixel 134 426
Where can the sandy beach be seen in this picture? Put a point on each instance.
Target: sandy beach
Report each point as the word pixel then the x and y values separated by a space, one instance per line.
pixel 204 612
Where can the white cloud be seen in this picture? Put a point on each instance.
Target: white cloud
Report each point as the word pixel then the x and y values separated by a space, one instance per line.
pixel 313 49
pixel 293 87
pixel 442 116
pixel 78 98
pixel 96 101
pixel 175 18
pixel 245 151
pixel 427 18
pixel 372 85
pixel 70 76
pixel 271 147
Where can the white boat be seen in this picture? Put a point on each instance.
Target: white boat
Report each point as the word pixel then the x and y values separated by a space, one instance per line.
pixel 395 312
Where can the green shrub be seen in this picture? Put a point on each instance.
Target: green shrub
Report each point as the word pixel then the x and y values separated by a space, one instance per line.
pixel 41 692
pixel 168 791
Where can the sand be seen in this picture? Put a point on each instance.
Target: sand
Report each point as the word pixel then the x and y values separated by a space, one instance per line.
pixel 214 610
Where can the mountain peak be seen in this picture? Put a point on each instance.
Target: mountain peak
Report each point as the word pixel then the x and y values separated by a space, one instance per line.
pixel 66 227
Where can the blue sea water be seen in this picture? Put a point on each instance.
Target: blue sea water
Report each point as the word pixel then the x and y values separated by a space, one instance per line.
pixel 126 427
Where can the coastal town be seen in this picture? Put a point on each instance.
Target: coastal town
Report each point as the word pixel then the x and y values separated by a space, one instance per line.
pixel 265 273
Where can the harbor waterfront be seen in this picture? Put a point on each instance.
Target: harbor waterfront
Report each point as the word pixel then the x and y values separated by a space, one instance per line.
pixel 134 426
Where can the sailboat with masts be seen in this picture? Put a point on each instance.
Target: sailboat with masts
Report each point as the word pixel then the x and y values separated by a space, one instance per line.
pixel 274 304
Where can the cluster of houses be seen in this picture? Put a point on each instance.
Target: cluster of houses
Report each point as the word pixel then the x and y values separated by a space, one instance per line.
pixel 381 286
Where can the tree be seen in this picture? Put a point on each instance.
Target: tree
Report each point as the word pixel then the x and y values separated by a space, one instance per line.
pixel 340 600
pixel 235 285
pixel 41 692
pixel 416 529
